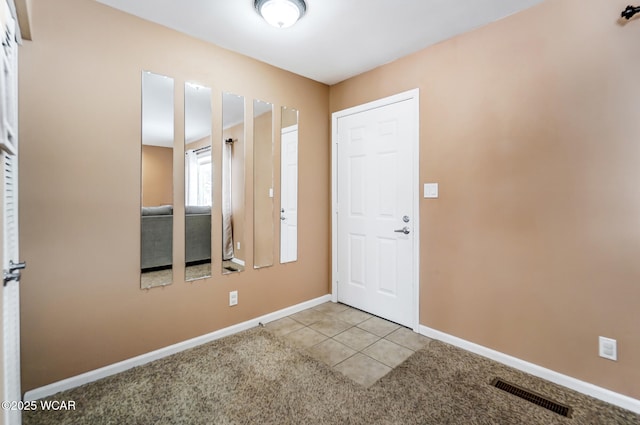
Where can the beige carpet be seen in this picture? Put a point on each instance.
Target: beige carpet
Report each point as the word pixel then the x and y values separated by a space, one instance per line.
pixel 254 378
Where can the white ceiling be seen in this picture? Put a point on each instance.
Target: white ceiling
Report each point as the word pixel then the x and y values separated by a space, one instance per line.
pixel 336 39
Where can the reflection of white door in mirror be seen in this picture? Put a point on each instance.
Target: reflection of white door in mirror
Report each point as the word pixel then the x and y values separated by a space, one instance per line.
pixel 289 193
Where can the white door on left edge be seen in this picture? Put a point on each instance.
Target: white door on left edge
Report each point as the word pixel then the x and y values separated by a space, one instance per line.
pixel 377 210
pixel 9 213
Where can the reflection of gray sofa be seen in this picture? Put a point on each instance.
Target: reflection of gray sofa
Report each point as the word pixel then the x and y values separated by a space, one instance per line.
pixel 157 232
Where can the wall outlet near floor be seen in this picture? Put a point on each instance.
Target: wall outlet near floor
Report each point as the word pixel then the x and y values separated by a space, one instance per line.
pixel 608 348
pixel 238 245
pixel 233 298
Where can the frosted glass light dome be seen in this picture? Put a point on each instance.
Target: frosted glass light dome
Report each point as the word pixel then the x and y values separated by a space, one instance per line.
pixel 281 13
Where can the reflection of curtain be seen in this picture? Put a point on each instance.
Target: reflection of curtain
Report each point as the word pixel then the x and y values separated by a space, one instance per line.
pixel 227 211
pixel 191 178
pixel 205 194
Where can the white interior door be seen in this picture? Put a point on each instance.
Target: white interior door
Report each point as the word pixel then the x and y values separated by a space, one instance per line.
pixel 9 212
pixel 376 209
pixel 289 192
pixel 11 289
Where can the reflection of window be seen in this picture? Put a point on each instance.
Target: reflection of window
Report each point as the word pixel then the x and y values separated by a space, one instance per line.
pixel 198 169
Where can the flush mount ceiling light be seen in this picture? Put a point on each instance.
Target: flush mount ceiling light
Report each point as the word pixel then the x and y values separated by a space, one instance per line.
pixel 281 13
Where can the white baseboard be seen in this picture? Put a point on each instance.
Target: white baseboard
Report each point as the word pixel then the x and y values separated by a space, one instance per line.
pixel 600 393
pixel 103 372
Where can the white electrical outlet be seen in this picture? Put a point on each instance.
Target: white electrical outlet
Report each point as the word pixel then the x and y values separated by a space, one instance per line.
pixel 233 298
pixel 238 245
pixel 608 348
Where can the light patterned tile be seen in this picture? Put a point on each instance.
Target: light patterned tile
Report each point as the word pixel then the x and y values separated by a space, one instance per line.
pixel 331 352
pixel 378 326
pixel 283 326
pixel 353 316
pixel 408 338
pixel 330 308
pixel 362 369
pixel 330 326
pixel 356 338
pixel 387 352
pixel 307 317
pixel 305 337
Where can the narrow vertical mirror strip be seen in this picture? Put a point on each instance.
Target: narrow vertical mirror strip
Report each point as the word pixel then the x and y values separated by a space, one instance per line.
pixel 262 184
pixel 233 208
pixel 198 178
pixel 156 240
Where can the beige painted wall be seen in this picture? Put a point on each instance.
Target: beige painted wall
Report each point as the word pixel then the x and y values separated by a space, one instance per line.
pixel 80 196
pixel 531 127
pixel 157 176
pixel 263 206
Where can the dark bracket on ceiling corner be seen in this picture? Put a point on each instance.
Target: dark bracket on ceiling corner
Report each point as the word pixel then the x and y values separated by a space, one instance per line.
pixel 629 11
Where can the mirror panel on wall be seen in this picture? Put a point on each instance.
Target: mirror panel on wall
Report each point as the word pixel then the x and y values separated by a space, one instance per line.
pixel 262 184
pixel 289 185
pixel 233 154
pixel 198 178
pixel 157 181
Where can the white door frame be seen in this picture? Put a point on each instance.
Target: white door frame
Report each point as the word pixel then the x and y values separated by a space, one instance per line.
pixel 412 95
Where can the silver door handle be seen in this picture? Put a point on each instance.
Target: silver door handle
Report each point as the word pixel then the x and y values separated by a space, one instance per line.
pixel 404 230
pixel 10 276
pixel 282 218
pixel 13 273
pixel 16 266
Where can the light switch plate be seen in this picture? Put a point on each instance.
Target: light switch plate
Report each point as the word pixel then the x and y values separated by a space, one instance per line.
pixel 431 190
pixel 233 298
pixel 608 348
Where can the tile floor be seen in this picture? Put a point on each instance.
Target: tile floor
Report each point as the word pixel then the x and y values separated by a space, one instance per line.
pixel 361 346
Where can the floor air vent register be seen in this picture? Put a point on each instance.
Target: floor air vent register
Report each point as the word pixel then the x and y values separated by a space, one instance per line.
pixel 532 397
